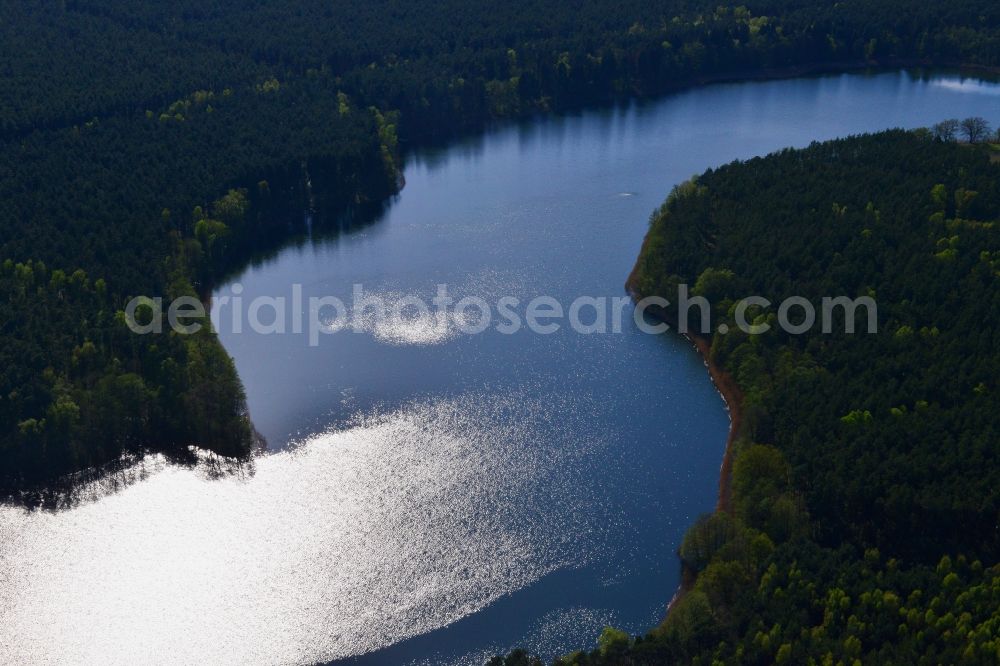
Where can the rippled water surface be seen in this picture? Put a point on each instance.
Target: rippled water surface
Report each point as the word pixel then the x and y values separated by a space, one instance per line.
pixel 430 496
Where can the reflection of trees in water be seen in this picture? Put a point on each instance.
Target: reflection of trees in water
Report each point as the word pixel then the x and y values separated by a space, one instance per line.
pixel 94 484
pixel 303 224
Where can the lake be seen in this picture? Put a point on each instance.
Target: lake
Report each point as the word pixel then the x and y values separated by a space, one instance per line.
pixel 431 495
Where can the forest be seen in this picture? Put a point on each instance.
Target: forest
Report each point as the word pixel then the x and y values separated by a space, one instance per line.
pixel 152 147
pixel 865 498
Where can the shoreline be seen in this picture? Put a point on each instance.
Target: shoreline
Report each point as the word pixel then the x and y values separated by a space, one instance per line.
pixel 837 67
pixel 723 381
pixel 776 73
pixel 725 384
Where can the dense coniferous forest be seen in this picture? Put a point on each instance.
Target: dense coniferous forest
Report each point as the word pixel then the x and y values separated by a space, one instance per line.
pixel 865 498
pixel 149 147
pixel 123 126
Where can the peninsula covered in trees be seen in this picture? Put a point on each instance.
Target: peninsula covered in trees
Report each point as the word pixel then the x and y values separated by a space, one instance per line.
pixel 865 498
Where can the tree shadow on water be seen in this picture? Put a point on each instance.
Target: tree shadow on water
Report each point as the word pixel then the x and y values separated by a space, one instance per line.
pixel 92 485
